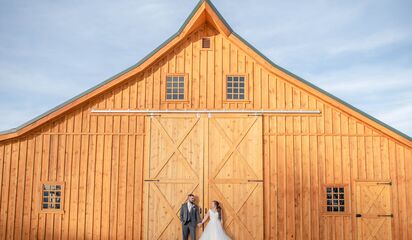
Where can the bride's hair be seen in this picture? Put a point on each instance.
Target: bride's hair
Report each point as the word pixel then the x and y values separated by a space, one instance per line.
pixel 218 209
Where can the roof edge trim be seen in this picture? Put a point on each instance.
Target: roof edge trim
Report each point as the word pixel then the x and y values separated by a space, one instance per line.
pixel 321 90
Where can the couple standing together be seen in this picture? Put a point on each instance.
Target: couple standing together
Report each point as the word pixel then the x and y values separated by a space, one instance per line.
pixel 190 219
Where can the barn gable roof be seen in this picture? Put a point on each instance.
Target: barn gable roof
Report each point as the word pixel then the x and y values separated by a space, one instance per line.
pixel 204 11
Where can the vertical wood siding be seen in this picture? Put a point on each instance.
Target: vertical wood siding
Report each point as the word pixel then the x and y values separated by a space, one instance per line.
pixel 101 171
pixel 100 157
pixel 304 158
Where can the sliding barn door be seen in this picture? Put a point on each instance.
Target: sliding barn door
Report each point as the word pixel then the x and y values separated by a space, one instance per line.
pixel 173 168
pixel 373 210
pixel 234 173
pixel 215 158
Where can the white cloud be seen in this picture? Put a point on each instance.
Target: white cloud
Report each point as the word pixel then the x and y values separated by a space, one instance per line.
pixel 366 79
pixel 399 116
pixel 369 42
pixel 383 92
pixel 38 84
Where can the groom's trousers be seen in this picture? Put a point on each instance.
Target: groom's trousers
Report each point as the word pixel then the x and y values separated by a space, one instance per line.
pixel 189 228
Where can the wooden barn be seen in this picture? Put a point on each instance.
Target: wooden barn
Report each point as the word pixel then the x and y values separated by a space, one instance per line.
pixel 205 113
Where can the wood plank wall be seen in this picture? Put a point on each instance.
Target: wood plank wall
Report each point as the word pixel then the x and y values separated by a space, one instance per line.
pixel 100 157
pixel 100 161
pixel 304 153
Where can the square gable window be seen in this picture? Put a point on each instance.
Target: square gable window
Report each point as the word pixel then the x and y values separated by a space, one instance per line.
pixel 236 88
pixel 52 196
pixel 335 200
pixel 176 86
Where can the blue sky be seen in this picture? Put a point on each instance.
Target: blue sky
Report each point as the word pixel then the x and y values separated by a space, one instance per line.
pixel 360 51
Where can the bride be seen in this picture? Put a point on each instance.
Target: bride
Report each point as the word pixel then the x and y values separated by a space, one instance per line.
pixel 214 229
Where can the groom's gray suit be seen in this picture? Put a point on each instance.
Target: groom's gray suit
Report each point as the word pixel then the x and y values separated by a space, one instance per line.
pixel 189 220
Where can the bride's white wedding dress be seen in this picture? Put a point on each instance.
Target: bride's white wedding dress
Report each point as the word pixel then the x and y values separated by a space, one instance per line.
pixel 214 229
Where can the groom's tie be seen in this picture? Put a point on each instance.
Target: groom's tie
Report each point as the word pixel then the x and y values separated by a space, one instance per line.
pixel 190 207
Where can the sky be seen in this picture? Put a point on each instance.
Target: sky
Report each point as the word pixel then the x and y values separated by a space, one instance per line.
pixel 360 51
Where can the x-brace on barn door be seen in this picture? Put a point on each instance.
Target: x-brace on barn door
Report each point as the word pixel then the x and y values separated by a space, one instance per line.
pixel 215 157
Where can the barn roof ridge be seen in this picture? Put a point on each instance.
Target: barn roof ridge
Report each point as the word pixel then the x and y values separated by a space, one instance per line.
pixel 181 29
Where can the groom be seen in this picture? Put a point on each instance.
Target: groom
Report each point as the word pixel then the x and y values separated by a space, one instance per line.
pixel 189 217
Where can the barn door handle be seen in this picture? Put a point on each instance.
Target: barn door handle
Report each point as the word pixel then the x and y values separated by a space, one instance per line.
pixel 358 215
pixel 153 115
pixel 385 215
pixel 253 180
pixel 151 180
pixel 384 183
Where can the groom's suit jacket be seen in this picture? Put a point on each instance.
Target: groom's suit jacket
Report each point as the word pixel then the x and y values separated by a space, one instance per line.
pixel 193 217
